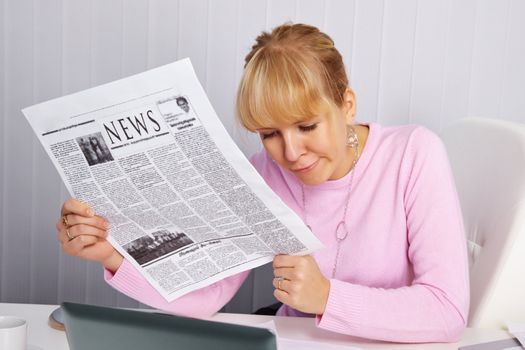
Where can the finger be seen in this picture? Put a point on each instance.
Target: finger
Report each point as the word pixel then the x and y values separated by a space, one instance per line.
pixel 60 236
pixel 95 221
pixel 75 206
pixel 284 261
pixel 76 245
pixel 87 230
pixel 285 272
pixel 281 283
pixel 80 230
pixel 63 237
pixel 281 296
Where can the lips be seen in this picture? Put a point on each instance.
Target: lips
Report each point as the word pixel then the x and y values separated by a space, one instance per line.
pixel 306 168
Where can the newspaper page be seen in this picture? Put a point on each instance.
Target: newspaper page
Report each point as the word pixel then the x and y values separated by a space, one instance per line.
pixel 149 154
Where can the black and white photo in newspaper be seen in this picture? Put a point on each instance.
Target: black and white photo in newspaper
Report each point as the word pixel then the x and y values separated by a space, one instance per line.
pixel 150 155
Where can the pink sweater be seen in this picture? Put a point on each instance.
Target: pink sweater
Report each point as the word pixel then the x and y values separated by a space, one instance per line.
pixel 402 273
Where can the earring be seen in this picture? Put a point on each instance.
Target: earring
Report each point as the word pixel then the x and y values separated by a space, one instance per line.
pixel 351 137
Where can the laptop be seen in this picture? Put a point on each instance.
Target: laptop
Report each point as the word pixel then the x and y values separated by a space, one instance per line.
pixel 90 327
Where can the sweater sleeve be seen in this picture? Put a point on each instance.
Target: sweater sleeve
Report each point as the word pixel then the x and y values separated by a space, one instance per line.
pixel 434 307
pixel 203 302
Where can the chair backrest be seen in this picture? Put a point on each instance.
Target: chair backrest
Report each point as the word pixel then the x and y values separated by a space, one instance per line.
pixel 488 161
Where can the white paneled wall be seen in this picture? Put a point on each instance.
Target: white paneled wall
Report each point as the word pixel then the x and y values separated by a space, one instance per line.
pixel 427 62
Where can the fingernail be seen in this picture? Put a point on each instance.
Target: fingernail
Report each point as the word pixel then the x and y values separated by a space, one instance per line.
pixel 106 225
pixel 90 212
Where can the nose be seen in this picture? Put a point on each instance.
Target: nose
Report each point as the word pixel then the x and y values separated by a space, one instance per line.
pixel 293 147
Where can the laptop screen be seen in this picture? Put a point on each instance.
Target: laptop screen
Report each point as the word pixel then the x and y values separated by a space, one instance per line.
pixel 91 327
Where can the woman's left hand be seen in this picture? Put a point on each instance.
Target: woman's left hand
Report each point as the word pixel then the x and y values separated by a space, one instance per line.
pixel 300 284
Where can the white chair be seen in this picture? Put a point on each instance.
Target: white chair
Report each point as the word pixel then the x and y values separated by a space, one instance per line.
pixel 488 161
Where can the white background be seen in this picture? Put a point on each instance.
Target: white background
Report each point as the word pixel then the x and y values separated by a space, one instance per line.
pixel 426 62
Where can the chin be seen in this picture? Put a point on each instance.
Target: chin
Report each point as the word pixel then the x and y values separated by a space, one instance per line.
pixel 311 180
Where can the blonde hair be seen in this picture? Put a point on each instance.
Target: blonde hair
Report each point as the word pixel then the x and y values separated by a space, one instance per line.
pixel 291 75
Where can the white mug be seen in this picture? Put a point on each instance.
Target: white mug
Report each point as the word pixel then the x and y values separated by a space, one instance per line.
pixel 12 333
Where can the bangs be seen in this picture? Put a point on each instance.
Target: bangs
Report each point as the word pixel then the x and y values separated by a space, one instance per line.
pixel 280 86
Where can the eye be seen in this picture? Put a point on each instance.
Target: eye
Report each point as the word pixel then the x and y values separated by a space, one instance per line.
pixel 267 135
pixel 308 127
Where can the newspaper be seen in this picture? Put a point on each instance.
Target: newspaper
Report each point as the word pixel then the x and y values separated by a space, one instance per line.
pixel 184 205
pixel 517 330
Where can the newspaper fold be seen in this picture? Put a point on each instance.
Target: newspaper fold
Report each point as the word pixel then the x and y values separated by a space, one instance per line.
pixel 184 205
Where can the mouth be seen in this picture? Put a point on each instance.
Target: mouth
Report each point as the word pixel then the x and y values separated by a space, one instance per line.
pixel 306 168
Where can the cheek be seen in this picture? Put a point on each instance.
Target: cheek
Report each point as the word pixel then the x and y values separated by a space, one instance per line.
pixel 339 140
pixel 328 145
pixel 273 149
pixel 331 148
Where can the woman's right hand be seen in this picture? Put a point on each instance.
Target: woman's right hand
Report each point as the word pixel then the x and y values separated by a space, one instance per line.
pixel 83 234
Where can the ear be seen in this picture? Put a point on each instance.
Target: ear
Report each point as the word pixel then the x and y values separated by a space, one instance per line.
pixel 349 106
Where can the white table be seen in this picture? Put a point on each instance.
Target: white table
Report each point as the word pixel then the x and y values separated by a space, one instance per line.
pixel 43 337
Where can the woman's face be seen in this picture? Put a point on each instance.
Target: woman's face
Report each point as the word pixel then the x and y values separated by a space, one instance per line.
pixel 314 150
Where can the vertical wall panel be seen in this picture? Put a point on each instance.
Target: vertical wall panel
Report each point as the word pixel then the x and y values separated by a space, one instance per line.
pixel 339 24
pixel 252 18
pixel 3 142
pixel 221 58
pixel 76 57
pixel 16 269
pixel 458 58
pixel 46 184
pixel 512 101
pixel 366 56
pixel 428 65
pixel 106 41
pixel 280 11
pixel 311 12
pixel 396 62
pixel 487 61
pixel 163 31
pixel 251 22
pixel 76 17
pixel 135 51
pixel 193 35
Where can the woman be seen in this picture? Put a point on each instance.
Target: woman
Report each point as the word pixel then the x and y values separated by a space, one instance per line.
pixel 381 199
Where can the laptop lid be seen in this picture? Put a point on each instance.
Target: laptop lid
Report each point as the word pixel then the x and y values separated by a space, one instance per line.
pixel 91 327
